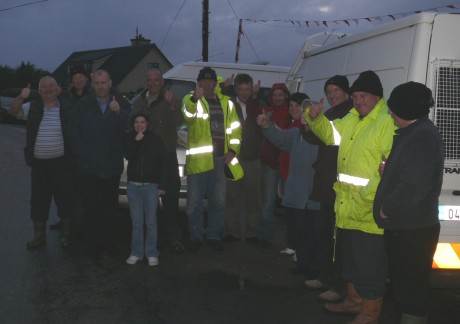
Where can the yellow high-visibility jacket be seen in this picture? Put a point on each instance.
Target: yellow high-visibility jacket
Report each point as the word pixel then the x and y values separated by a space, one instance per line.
pixel 362 144
pixel 199 157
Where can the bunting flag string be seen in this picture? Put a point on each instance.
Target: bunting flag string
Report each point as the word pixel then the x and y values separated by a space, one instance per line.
pixel 326 23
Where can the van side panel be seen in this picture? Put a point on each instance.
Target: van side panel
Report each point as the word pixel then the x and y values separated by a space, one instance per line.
pixel 444 80
pixel 387 54
pixel 267 74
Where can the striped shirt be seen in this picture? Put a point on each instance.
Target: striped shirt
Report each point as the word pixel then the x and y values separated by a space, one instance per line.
pixel 50 142
pixel 216 118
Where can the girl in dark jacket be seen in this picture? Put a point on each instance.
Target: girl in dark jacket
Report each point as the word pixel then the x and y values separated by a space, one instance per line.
pixel 146 157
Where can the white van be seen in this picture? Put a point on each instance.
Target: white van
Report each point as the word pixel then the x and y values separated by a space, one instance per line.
pixel 422 48
pixel 182 77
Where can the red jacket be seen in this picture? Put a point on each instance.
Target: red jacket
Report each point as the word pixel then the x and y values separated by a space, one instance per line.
pixel 269 154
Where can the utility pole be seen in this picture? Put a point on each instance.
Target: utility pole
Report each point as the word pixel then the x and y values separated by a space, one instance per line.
pixel 205 30
pixel 238 40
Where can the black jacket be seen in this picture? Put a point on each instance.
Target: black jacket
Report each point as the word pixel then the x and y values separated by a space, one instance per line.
pixel 410 186
pixel 97 138
pixel 147 159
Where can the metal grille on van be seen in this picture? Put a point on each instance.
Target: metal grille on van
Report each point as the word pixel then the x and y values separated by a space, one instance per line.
pixel 447 105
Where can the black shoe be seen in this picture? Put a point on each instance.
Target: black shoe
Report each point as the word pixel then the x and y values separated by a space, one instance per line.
pixel 216 245
pixel 230 238
pixel 176 246
pixel 194 245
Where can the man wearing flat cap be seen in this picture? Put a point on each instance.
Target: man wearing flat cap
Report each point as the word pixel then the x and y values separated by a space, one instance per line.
pixel 364 135
pixel 214 138
pixel 406 202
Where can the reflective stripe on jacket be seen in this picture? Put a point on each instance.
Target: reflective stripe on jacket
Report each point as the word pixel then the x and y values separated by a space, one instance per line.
pixel 362 141
pixel 199 157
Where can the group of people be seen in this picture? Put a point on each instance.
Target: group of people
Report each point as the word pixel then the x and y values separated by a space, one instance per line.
pixel 360 181
pixel 389 177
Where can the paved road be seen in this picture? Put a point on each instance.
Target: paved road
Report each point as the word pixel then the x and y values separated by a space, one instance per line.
pixel 242 284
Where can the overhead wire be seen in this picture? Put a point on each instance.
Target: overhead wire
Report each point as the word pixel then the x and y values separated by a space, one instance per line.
pixel 172 23
pixel 22 5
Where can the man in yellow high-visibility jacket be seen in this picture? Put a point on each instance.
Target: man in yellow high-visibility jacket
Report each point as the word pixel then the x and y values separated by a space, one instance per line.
pixel 214 137
pixel 364 135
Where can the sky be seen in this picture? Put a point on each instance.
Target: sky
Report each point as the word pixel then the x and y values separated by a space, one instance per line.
pixel 46 32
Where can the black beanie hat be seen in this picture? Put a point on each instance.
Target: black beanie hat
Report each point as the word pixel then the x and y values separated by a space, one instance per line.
pixel 298 97
pixel 78 69
pixel 368 81
pixel 207 73
pixel 410 100
pixel 340 81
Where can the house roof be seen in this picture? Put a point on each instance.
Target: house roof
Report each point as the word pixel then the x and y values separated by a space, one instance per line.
pixel 120 61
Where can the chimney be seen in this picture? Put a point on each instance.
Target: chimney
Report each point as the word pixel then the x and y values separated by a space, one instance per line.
pixel 139 39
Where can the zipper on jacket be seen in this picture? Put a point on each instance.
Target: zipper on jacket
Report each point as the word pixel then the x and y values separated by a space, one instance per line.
pixel 142 159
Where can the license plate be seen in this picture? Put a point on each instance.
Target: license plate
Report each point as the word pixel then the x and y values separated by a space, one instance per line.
pixel 449 212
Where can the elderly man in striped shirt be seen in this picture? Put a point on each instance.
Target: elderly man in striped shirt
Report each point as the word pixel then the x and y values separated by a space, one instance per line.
pixel 48 154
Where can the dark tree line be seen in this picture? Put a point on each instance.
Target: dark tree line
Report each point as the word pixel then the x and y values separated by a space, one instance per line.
pixel 12 80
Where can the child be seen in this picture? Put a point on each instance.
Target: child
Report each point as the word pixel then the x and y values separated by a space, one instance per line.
pixel 146 157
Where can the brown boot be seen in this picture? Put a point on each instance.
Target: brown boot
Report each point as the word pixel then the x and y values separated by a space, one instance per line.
pixel 370 312
pixel 350 305
pixel 40 235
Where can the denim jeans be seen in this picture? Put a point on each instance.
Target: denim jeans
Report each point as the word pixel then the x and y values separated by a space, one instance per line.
pixel 270 178
pixel 143 202
pixel 210 184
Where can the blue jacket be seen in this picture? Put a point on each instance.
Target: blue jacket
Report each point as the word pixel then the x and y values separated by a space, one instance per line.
pixel 97 138
pixel 299 183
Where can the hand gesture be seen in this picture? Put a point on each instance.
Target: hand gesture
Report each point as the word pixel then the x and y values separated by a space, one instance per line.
pixel 382 165
pixel 316 109
pixel 139 136
pixel 161 192
pixel 198 93
pixel 263 119
pixel 114 105
pixel 228 157
pixel 382 214
pixel 25 92
pixel 229 81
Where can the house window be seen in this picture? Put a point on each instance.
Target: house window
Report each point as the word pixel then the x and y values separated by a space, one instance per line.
pixel 152 65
